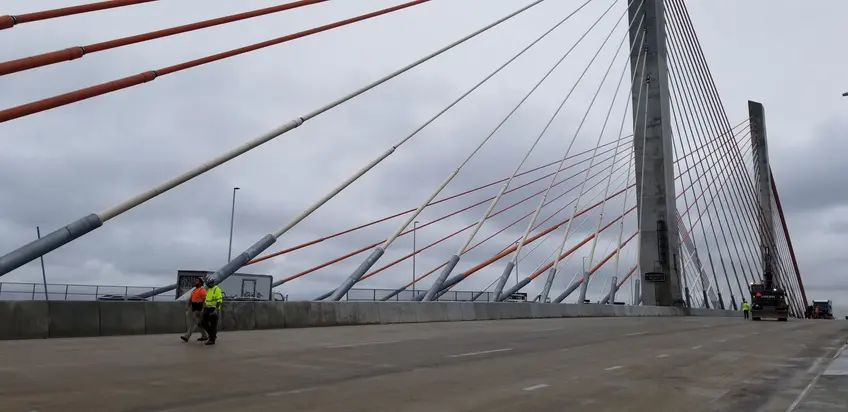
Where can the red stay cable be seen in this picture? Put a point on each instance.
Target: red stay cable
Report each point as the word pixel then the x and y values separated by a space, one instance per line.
pixel 401 259
pixel 505 228
pixel 608 257
pixel 72 53
pixel 580 244
pixel 533 238
pixel 495 258
pixel 321 239
pixel 633 269
pixel 511 248
pixel 148 76
pixel 7 22
pixel 363 249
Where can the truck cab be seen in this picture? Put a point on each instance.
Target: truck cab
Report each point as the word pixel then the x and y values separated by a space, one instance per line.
pixel 822 309
pixel 768 303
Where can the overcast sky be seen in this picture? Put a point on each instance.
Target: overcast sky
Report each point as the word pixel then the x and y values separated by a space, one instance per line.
pixel 60 165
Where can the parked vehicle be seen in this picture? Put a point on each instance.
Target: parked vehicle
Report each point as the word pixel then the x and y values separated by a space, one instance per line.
pixel 238 286
pixel 821 309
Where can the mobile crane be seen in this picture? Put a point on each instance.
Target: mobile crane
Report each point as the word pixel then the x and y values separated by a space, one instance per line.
pixel 768 300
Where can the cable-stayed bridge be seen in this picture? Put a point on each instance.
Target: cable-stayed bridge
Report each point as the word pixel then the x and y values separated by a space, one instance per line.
pixel 632 186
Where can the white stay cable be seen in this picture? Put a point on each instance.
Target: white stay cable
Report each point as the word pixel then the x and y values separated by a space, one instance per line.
pixel 638 203
pixel 591 257
pixel 621 130
pixel 552 274
pixel 517 252
pixel 521 259
pixel 617 272
pixel 595 273
pixel 528 279
pixel 456 171
pixel 556 267
pixel 580 225
pixel 377 253
pixel 535 143
pixel 695 273
pixel 594 153
pixel 557 263
pixel 437 284
pixel 83 226
pixel 621 224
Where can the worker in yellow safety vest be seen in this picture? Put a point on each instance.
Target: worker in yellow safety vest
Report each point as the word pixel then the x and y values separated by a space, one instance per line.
pixel 212 309
pixel 745 308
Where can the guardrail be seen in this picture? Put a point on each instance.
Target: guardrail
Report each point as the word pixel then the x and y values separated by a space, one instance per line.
pixel 57 291
pixel 76 292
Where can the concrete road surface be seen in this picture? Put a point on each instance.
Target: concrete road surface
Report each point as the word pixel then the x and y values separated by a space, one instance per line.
pixel 827 392
pixel 601 364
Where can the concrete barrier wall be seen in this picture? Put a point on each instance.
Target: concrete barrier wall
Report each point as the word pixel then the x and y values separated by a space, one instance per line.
pixel 60 319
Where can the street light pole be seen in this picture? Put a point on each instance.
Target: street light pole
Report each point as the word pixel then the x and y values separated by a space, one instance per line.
pixel 414 252
pixel 232 220
pixel 516 263
pixel 43 272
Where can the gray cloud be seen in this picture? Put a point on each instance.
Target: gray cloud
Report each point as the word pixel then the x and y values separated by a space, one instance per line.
pixel 62 164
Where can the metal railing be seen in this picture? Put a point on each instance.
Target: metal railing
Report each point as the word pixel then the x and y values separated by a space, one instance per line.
pixel 35 291
pixel 408 295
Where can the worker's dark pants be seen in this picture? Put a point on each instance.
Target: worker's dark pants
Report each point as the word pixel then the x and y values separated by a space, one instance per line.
pixel 746 314
pixel 210 323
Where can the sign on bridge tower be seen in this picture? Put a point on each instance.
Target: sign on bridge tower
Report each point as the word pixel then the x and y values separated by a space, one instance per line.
pixel 659 242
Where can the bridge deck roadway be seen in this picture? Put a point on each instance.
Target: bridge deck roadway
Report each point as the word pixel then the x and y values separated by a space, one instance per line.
pixel 601 364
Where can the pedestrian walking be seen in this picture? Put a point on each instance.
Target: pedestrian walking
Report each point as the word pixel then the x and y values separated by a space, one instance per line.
pixel 746 308
pixel 194 312
pixel 211 310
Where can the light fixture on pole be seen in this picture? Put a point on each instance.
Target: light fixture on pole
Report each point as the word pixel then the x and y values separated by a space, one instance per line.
pixel 414 252
pixel 232 220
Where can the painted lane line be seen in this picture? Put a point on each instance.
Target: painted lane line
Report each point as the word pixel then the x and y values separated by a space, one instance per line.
pixel 721 340
pixel 697 347
pixel 346 362
pixel 291 392
pixel 636 334
pixel 297 365
pixel 838 365
pixel 545 330
pixel 662 356
pixel 351 345
pixel 462 355
pixel 812 383
pixel 534 387
pixel 612 368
